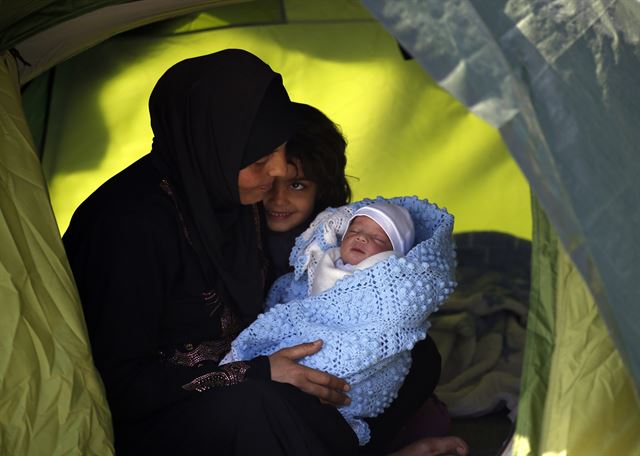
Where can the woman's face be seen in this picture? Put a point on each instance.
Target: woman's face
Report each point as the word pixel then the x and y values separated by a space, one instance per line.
pixel 363 239
pixel 255 180
pixel 291 200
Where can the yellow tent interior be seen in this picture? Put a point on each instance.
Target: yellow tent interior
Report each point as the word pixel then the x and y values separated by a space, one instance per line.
pixel 87 119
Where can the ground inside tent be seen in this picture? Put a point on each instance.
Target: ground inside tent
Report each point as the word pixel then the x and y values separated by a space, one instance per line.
pixel 480 332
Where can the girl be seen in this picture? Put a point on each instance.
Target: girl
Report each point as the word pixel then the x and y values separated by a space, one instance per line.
pixel 315 179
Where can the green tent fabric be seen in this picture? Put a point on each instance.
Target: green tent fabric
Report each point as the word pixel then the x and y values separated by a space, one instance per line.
pixel 577 396
pixel 21 20
pixel 395 144
pixel 51 398
pixel 551 80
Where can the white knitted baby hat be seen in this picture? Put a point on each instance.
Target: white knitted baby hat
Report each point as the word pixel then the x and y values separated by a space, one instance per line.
pixel 394 220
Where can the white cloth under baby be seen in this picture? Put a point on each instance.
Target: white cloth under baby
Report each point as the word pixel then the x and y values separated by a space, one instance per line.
pixel 327 273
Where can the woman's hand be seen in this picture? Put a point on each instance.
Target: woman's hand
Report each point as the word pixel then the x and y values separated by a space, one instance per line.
pixel 326 387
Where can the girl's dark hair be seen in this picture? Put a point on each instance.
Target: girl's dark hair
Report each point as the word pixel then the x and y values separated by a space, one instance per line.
pixel 320 147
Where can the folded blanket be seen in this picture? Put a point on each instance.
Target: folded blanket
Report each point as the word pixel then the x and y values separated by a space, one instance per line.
pixel 369 321
pixel 481 330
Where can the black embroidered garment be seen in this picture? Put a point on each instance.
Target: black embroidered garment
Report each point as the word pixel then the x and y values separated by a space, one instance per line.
pixel 144 295
pixel 169 268
pixel 212 116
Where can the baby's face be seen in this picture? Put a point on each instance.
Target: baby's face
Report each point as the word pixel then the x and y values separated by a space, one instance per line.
pixel 364 238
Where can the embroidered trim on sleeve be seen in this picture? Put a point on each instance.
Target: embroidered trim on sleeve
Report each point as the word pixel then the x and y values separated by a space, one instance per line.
pixel 193 355
pixel 229 374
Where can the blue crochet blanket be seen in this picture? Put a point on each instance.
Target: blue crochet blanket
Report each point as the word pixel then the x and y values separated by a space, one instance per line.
pixel 369 321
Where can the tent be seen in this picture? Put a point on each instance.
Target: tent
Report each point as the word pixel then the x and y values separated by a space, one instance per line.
pixel 518 116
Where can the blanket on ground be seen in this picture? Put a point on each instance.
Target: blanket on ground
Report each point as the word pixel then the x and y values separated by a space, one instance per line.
pixel 481 330
pixel 369 321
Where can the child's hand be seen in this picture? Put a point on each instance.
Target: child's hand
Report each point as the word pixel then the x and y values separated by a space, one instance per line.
pixel 326 387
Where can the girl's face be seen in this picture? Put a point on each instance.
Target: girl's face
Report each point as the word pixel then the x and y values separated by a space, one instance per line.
pixel 290 201
pixel 363 239
pixel 255 180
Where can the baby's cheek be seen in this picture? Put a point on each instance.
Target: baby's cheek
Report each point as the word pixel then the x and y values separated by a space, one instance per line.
pixel 376 248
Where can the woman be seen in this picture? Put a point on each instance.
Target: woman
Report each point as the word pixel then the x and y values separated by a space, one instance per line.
pixel 316 179
pixel 168 262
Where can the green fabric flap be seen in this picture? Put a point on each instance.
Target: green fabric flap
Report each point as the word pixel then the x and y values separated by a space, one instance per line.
pixel 541 327
pixel 52 398
pixel 21 19
pixel 243 14
pixel 577 397
pixel 35 103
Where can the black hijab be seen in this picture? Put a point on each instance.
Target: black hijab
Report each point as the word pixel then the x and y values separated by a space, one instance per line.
pixel 211 116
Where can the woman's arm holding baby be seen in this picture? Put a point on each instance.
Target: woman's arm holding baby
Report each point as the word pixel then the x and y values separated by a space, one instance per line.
pixel 326 387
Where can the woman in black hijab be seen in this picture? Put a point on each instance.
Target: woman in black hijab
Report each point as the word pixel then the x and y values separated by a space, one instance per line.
pixel 168 261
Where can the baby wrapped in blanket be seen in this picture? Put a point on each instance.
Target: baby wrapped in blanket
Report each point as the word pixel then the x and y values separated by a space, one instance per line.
pixel 364 298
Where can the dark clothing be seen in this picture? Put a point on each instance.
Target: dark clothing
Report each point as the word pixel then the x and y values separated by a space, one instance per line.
pixel 142 290
pixel 250 418
pixel 279 245
pixel 211 117
pixel 157 331
pixel 169 267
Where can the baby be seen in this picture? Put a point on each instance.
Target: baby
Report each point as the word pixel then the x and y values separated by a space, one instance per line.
pixel 375 233
pixel 366 302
